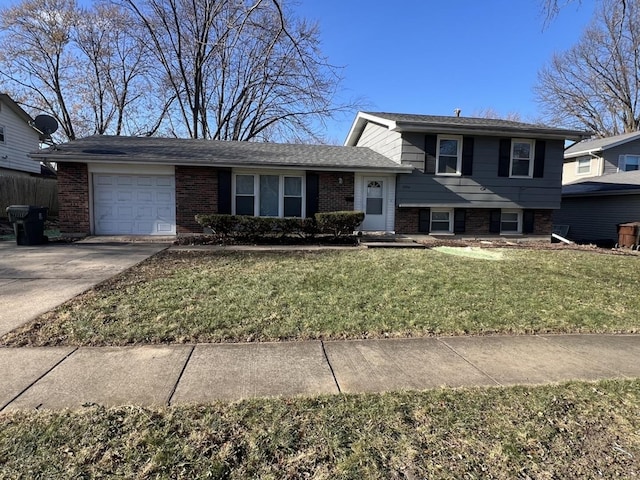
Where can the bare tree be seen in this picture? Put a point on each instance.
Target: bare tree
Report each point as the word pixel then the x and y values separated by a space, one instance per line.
pixel 596 84
pixel 36 58
pixel 240 70
pixel 85 67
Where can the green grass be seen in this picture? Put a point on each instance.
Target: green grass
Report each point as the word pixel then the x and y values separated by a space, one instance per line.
pixel 574 430
pixel 211 297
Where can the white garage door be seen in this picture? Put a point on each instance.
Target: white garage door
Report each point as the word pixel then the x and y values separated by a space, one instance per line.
pixel 134 204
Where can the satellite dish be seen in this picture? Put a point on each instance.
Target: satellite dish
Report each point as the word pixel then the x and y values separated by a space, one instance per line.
pixel 46 124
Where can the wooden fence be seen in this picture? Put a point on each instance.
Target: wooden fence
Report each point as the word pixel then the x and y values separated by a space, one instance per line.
pixel 42 192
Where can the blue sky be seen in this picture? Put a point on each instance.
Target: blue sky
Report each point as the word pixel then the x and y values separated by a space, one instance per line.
pixel 432 56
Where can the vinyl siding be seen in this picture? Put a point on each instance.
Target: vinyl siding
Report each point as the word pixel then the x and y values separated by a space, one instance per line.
pixel 484 188
pixel 570 169
pixel 379 139
pixel 611 155
pixel 594 219
pixel 20 139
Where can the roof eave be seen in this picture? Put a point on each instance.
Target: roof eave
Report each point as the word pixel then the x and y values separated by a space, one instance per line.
pixel 603 193
pixel 546 133
pixel 360 123
pixel 187 163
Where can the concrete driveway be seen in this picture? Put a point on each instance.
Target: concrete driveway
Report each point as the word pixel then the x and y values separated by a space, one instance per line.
pixel 35 279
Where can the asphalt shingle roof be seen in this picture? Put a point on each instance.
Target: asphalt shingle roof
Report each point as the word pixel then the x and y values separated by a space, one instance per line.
pixel 599 144
pixel 180 151
pixel 622 182
pixel 472 123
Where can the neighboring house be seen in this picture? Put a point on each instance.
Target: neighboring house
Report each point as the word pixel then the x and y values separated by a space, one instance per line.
pixel 471 177
pixel 155 186
pixel 594 207
pixel 602 156
pixel 18 137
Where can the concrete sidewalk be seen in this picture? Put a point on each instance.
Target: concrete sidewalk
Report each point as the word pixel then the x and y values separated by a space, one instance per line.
pixel 61 377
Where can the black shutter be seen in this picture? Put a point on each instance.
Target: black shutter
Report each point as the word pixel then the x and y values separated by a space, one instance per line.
pixel 430 145
pixel 527 221
pixel 504 158
pixel 467 156
pixel 312 194
pixel 538 163
pixel 424 220
pixel 224 192
pixel 459 217
pixel 494 220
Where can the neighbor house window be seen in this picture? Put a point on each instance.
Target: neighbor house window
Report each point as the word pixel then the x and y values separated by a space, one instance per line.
pixel 627 163
pixel 511 221
pixel 1 134
pixel 441 221
pixel 521 158
pixel 449 159
pixel 584 166
pixel 272 195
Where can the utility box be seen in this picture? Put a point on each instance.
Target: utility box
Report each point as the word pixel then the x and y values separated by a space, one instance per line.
pixel 629 234
pixel 28 223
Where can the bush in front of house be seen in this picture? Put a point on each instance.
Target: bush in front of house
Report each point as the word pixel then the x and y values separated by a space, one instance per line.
pixel 339 223
pixel 248 227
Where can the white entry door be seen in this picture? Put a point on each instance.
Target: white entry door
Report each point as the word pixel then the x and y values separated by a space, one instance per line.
pixel 134 204
pixel 375 204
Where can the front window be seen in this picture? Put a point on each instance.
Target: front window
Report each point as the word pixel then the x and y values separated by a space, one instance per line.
pixel 1 134
pixel 584 166
pixel 441 221
pixel 449 155
pixel 511 221
pixel 268 195
pixel 628 163
pixel 522 158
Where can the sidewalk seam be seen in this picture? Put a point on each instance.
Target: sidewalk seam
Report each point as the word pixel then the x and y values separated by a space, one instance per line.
pixel 39 378
pixel 333 373
pixel 184 367
pixel 468 361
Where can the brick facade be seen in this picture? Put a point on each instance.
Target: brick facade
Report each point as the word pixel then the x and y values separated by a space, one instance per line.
pixel 196 193
pixel 477 221
pixel 73 198
pixel 334 196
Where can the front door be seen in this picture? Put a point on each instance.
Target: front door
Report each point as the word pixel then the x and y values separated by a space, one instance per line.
pixel 375 204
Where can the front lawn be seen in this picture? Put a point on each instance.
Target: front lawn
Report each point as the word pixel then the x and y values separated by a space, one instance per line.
pixel 180 296
pixel 574 430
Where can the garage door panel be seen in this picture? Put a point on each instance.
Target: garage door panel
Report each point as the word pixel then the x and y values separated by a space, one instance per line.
pixel 134 204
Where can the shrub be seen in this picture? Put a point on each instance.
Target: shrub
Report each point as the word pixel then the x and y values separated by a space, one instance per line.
pixel 246 226
pixel 339 223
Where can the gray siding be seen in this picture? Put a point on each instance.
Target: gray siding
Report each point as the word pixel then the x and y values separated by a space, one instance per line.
pixel 611 155
pixel 20 139
pixel 594 219
pixel 379 139
pixel 484 188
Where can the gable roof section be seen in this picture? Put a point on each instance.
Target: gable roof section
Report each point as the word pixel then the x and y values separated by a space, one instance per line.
pixel 181 151
pixel 590 146
pixel 403 122
pixel 17 109
pixel 613 184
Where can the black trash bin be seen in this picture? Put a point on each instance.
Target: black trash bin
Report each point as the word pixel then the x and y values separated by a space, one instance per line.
pixel 28 223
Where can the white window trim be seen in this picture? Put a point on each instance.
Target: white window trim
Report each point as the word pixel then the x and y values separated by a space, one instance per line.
pixel 519 212
pixel 458 172
pixel 531 159
pixel 578 172
pixel 622 162
pixel 281 196
pixel 440 210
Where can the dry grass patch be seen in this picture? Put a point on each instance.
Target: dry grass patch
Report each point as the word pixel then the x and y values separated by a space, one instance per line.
pixel 182 296
pixel 575 430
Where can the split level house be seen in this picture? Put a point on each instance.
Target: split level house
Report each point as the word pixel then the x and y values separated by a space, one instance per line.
pixel 18 138
pixel 409 174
